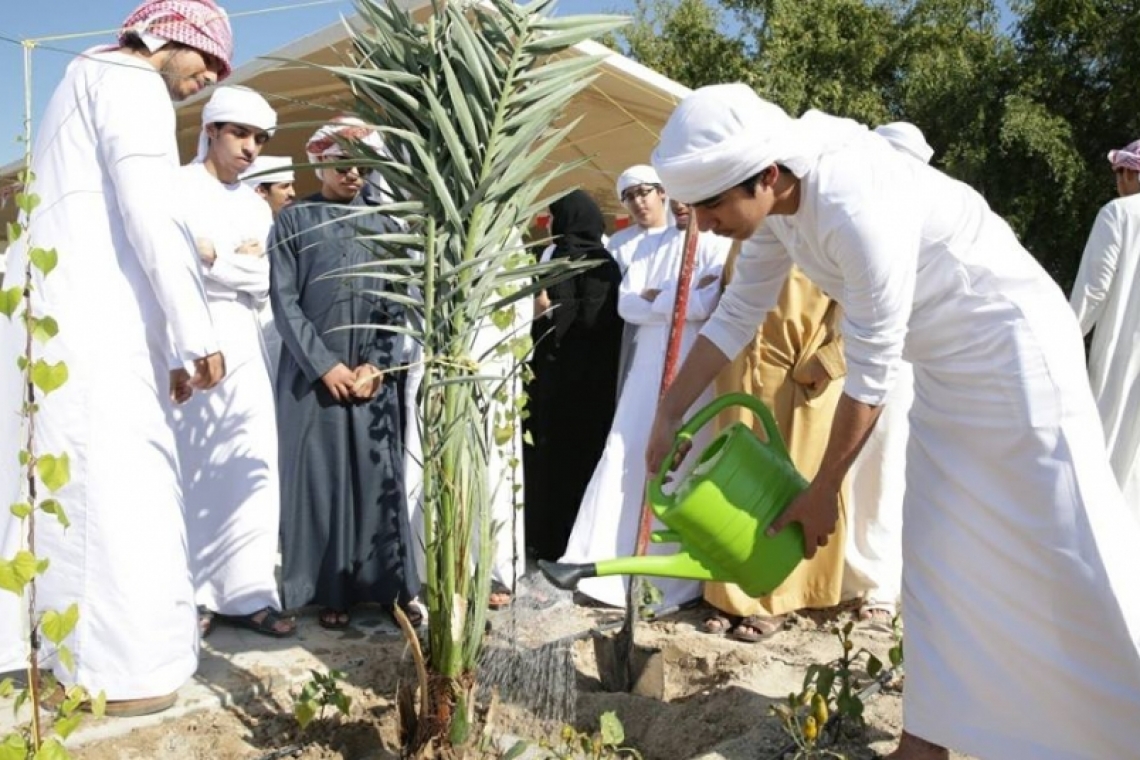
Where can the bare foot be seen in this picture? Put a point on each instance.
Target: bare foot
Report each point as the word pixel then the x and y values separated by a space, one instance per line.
pixel 913 748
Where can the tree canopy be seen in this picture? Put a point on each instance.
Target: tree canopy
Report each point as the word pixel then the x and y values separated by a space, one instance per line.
pixel 1021 100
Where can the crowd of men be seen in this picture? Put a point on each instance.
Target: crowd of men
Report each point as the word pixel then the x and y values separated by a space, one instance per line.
pixel 916 358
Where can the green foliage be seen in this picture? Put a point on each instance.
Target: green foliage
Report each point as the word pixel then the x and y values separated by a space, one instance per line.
pixel 320 691
pixel 832 694
pixel 604 744
pixel 1024 113
pixel 471 102
pixel 19 572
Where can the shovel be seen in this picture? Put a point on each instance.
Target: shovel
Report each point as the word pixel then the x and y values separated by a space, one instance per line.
pixel 622 665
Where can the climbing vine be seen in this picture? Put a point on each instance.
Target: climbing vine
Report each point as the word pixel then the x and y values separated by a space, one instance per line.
pixel 44 474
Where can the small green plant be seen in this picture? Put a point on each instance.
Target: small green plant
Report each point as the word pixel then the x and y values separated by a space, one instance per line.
pixel 319 692
pixel 605 744
pixel 803 717
pixel 843 679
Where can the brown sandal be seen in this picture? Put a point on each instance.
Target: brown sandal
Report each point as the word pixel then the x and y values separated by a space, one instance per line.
pixel 756 628
pixel 718 625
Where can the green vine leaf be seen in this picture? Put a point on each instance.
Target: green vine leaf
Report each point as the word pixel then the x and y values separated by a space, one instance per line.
pixel 22 362
pixel 53 507
pixel 66 726
pixel 51 749
pixel 7 686
pixel 44 329
pixel 58 626
pixel 27 202
pixel 25 457
pixel 49 377
pixel 44 259
pixel 21 510
pixel 14 232
pixel 55 472
pixel 17 572
pixel 13 748
pixel 9 300
pixel 99 705
pixel 66 658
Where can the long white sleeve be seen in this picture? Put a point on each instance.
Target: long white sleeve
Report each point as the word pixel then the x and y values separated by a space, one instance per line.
pixel 1098 268
pixel 242 272
pixel 761 270
pixel 877 254
pixel 137 145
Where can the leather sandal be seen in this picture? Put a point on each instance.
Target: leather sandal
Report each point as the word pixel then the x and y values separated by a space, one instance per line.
pixel 267 625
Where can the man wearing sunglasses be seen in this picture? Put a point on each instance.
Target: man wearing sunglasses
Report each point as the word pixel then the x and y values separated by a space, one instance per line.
pixel 344 524
pixel 1104 298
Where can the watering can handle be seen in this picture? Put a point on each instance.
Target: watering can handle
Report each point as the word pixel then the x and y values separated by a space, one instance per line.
pixel 658 499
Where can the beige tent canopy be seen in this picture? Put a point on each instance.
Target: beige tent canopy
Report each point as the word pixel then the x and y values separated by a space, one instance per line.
pixel 622 110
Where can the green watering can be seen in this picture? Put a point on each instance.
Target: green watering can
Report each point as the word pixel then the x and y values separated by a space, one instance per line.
pixel 719 512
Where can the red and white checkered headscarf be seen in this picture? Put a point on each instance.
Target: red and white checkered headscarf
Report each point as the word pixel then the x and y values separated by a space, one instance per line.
pixel 1128 156
pixel 199 24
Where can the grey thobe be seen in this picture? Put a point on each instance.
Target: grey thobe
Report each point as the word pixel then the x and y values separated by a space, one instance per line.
pixel 344 528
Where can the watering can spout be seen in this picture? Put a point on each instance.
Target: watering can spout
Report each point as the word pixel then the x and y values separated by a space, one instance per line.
pixel 680 565
pixel 565 575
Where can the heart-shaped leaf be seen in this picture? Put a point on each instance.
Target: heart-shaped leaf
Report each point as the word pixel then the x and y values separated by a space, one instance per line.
pixel 14 232
pixel 13 747
pixel 53 507
pixel 27 202
pixel 49 377
pixel 57 626
pixel 51 749
pixel 55 472
pixel 44 329
pixel 9 300
pixel 21 510
pixel 44 259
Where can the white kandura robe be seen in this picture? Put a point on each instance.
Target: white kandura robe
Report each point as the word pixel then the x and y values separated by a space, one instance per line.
pixel 505 482
pixel 876 485
pixel 611 507
pixel 227 437
pixel 1020 593
pixel 1105 297
pixel 125 292
pixel 623 246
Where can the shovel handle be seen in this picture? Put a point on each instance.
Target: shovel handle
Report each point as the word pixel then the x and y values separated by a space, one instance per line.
pixel 657 496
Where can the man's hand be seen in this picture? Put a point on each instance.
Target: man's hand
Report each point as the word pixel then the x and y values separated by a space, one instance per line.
pixel 208 371
pixel 340 381
pixel 812 374
pixel 650 294
pixel 661 440
pixel 817 511
pixel 250 248
pixel 180 388
pixel 206 252
pixel 367 383
pixel 541 304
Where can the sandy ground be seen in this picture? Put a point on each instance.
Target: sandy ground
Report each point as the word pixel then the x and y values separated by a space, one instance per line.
pixel 716 695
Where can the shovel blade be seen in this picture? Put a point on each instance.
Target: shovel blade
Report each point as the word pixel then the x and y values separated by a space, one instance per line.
pixel 623 667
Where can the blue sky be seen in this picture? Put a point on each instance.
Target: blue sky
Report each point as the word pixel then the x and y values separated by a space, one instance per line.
pixel 254 34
